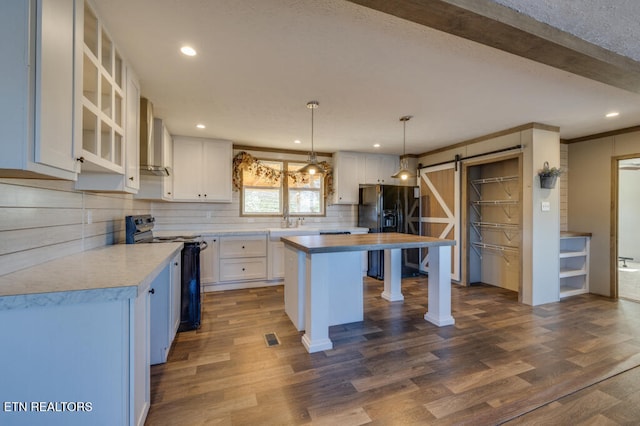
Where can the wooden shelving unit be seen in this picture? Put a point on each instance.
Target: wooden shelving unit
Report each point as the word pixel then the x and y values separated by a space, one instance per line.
pixel 494 224
pixel 574 264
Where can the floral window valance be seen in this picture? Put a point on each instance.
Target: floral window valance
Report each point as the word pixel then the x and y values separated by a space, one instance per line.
pixel 245 161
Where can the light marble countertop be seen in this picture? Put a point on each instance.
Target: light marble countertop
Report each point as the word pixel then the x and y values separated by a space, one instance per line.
pixel 208 232
pixel 106 273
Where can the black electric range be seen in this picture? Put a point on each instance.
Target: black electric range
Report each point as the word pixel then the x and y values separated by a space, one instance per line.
pixel 139 230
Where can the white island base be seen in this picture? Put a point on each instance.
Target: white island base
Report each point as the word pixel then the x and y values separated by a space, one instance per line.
pixel 325 288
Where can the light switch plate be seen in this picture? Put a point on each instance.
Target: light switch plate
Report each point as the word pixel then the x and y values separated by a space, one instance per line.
pixel 545 206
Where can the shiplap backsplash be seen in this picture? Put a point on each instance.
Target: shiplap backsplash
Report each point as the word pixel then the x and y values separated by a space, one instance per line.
pixel 42 220
pixel 211 216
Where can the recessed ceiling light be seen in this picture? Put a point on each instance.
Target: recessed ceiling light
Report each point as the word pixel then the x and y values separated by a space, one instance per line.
pixel 297 141
pixel 200 126
pixel 188 50
pixel 612 114
pixel 376 145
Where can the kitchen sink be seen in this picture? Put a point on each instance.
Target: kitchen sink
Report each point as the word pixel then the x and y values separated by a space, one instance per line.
pixel 276 233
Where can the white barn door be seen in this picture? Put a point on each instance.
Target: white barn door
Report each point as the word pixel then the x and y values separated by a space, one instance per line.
pixel 440 211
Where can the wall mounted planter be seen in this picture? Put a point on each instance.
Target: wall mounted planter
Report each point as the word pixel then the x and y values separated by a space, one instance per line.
pixel 548 182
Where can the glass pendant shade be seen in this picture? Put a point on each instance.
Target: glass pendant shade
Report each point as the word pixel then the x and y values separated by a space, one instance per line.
pixel 404 173
pixel 312 166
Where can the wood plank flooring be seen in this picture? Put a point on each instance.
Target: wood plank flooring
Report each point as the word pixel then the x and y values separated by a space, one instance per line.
pixel 572 362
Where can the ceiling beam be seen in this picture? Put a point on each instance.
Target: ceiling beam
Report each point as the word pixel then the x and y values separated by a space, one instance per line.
pixel 492 24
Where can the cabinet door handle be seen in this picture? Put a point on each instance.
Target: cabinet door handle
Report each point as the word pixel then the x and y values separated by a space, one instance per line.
pixel 80 159
pixel 152 291
pixel 175 264
pixel 242 269
pixel 205 195
pixel 199 195
pixel 131 178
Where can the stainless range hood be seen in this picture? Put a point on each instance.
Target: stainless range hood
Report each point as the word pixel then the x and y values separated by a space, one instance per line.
pixel 151 146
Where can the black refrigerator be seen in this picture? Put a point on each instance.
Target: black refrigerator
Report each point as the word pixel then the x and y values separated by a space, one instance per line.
pixel 390 208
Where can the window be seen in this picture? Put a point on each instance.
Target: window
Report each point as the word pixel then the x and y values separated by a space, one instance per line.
pixel 305 193
pixel 265 192
pixel 261 193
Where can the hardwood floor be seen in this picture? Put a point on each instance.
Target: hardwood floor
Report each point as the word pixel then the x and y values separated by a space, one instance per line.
pixel 572 362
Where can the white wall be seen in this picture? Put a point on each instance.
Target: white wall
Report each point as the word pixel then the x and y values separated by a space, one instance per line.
pixel 42 220
pixel 544 229
pixel 590 198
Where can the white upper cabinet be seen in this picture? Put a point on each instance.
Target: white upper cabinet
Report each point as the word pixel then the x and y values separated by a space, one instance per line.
pixel 346 177
pixel 202 169
pixel 129 180
pixel 103 104
pixel 351 169
pixel 378 169
pixel 109 111
pixel 37 89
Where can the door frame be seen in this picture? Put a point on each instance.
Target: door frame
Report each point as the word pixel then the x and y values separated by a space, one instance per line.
pixel 464 234
pixel 614 229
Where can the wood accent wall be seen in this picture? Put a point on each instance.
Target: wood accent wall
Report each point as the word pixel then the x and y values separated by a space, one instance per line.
pixel 41 220
pixel 564 187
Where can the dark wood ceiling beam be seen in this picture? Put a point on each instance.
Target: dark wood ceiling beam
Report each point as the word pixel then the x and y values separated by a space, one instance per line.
pixel 494 25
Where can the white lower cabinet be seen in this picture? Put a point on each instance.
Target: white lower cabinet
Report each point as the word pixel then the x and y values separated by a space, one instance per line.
pixel 209 262
pixel 94 352
pixel 276 260
pixel 165 310
pixel 243 258
pixel 176 294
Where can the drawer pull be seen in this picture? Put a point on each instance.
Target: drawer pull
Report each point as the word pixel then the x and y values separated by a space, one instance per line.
pixel 242 247
pixel 242 269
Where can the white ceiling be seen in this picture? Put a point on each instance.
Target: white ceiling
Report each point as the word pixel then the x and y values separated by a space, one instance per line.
pixel 260 62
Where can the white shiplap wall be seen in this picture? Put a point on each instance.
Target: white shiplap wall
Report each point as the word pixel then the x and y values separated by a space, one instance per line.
pixel 42 220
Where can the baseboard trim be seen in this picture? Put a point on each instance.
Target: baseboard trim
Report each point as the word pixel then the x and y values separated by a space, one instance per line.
pixel 239 285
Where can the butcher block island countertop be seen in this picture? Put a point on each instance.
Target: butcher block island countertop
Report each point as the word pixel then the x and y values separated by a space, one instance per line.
pixel 110 272
pixel 377 241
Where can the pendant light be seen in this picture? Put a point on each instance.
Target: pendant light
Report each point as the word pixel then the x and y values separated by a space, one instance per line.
pixel 312 167
pixel 404 172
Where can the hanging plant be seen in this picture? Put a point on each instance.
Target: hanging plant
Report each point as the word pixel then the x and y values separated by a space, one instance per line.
pixel 549 176
pixel 245 161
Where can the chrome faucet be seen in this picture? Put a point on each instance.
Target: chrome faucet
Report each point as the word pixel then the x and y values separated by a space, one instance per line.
pixel 286 220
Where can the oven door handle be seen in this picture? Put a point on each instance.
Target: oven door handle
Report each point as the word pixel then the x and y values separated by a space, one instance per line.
pixel 203 245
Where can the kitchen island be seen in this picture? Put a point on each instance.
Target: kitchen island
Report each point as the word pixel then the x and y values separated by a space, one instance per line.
pixel 323 280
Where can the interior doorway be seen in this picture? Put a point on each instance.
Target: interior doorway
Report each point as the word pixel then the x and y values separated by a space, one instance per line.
pixel 628 229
